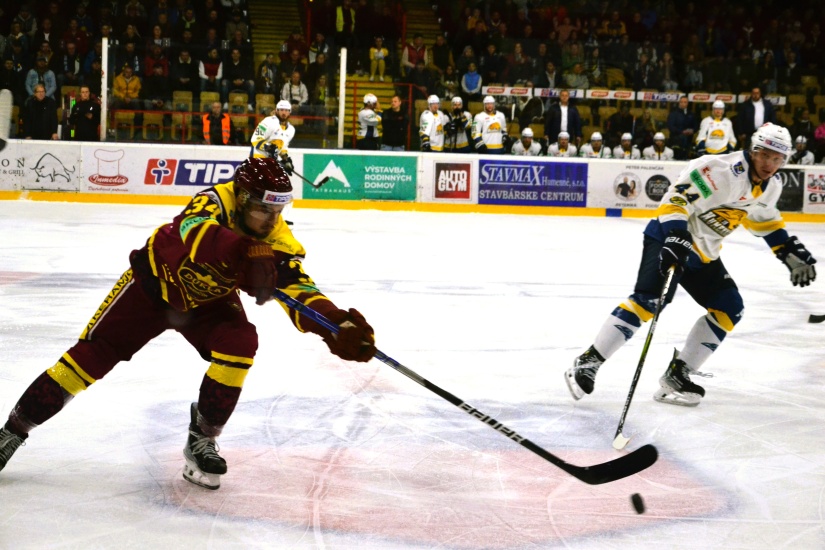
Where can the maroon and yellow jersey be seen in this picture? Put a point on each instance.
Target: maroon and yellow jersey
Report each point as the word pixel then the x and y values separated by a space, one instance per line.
pixel 195 258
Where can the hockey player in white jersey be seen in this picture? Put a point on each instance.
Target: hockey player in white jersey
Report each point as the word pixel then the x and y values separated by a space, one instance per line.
pixel 368 120
pixel 273 135
pixel 526 147
pixel 715 135
pixel 711 198
pixel 802 155
pixel 563 147
pixel 460 122
pixel 490 129
pixel 625 149
pixel 431 126
pixel 595 149
pixel 658 151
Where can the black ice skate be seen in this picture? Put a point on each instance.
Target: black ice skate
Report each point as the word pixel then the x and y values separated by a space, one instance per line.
pixel 204 466
pixel 9 443
pixel 581 377
pixel 676 387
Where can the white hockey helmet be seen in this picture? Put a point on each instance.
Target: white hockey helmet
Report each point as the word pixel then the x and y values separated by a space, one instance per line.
pixel 773 137
pixel 370 99
pixel 433 99
pixel 564 135
pixel 489 99
pixel 596 136
pixel 457 102
pixel 527 132
pixel 658 136
pixel 801 139
pixel 627 136
pixel 718 104
pixel 284 104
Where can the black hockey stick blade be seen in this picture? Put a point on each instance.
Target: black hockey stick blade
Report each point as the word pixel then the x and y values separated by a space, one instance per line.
pixel 619 468
pixel 816 318
pixel 3 143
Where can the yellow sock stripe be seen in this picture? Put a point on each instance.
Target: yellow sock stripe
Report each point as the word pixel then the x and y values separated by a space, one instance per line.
pixel 721 319
pixel 637 310
pixel 80 372
pixel 231 358
pixel 67 378
pixel 228 376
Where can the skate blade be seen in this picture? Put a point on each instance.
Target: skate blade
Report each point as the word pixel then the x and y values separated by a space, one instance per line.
pixel 673 397
pixel 575 389
pixel 193 474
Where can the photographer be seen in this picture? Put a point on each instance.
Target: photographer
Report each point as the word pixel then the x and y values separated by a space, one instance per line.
pixel 456 130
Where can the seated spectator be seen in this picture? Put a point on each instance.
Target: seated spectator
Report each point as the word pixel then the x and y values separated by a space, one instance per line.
pixel 67 67
pixel 619 123
pixel 658 151
pixel 41 74
pixel 471 84
pixel 157 38
pixel 491 65
pixel 682 125
pixel 295 92
pixel 576 79
pixel 562 147
pixel 378 59
pixel 212 40
pixel 77 35
pixel 319 46
pixel 291 65
pixel 294 42
pixel 210 71
pixel 266 77
pixel 316 69
pixel 519 67
pixel 318 104
pixel 243 44
pixel 130 56
pixel 441 56
pixel 214 20
pixel 803 126
pixel 449 84
pixel 549 77
pixel 667 73
pixel 183 73
pixel 12 80
pixel 625 149
pixel 236 23
pixel 156 90
pixel 594 68
pixel 412 54
pixel 801 154
pixel 646 128
pixel 644 75
pixel 126 90
pixel 39 116
pixel 421 80
pixel 156 57
pixel 46 33
pixel 238 77
pixel 463 64
pixel 94 79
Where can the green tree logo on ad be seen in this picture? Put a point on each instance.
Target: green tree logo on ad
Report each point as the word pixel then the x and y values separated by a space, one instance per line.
pixel 361 177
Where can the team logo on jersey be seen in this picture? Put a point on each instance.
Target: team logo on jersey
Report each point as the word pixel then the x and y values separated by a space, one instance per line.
pixel 723 220
pixel 738 169
pixel 706 173
pixel 678 201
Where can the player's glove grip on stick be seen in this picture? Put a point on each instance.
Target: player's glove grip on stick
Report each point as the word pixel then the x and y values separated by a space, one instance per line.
pixel 798 261
pixel 286 164
pixel 356 339
pixel 257 270
pixel 675 251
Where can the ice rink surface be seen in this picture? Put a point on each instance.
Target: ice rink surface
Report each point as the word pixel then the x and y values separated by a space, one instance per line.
pixel 326 454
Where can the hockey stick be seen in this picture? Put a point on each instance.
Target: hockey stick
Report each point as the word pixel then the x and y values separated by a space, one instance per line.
pixel 6 101
pixel 620 441
pixel 315 185
pixel 606 472
pixel 816 318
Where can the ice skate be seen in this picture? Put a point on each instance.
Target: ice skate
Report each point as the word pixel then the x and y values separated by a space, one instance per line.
pixel 9 443
pixel 204 466
pixel 676 386
pixel 581 377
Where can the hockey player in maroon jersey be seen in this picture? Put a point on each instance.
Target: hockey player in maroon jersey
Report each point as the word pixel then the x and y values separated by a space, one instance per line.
pixel 187 278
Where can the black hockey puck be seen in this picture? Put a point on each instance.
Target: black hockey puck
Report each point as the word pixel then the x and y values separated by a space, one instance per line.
pixel 638 503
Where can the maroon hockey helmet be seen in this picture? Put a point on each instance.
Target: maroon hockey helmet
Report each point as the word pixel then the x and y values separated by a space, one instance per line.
pixel 263 180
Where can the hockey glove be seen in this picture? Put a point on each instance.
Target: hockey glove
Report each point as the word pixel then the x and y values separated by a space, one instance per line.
pixel 798 260
pixel 271 150
pixel 257 270
pixel 356 339
pixel 425 147
pixel 481 147
pixel 286 164
pixel 675 250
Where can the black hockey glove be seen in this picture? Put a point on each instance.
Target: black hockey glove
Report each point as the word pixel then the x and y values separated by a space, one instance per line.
pixel 425 147
pixel 798 260
pixel 271 150
pixel 481 147
pixel 286 164
pixel 675 251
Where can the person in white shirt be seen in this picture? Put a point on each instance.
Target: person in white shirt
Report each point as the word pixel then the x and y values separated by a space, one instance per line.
pixel 802 155
pixel 563 147
pixel 715 136
pixel 625 149
pixel 595 149
pixel 526 147
pixel 658 151
pixel 295 92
